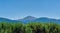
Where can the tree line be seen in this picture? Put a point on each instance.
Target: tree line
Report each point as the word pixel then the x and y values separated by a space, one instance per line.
pixel 29 28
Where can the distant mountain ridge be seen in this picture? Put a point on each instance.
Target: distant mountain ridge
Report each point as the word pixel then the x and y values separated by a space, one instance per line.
pixel 27 19
pixel 31 19
pixel 45 19
pixel 7 20
pixel 41 19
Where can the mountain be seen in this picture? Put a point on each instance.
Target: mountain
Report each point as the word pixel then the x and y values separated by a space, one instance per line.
pixel 7 20
pixel 27 19
pixel 41 19
pixel 31 19
pixel 45 19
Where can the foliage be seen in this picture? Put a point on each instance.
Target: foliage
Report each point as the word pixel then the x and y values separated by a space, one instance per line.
pixel 29 28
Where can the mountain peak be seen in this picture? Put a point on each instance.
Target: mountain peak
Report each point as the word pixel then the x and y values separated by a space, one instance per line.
pixel 29 18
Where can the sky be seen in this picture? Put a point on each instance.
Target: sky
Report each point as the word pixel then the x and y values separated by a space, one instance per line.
pixel 17 9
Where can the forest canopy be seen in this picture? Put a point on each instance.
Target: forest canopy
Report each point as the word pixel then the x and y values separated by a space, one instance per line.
pixel 29 28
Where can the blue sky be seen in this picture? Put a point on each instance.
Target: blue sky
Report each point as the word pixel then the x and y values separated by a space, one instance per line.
pixel 16 9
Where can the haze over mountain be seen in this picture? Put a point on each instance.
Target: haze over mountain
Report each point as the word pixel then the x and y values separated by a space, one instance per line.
pixel 41 19
pixel 7 20
pixel 31 19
